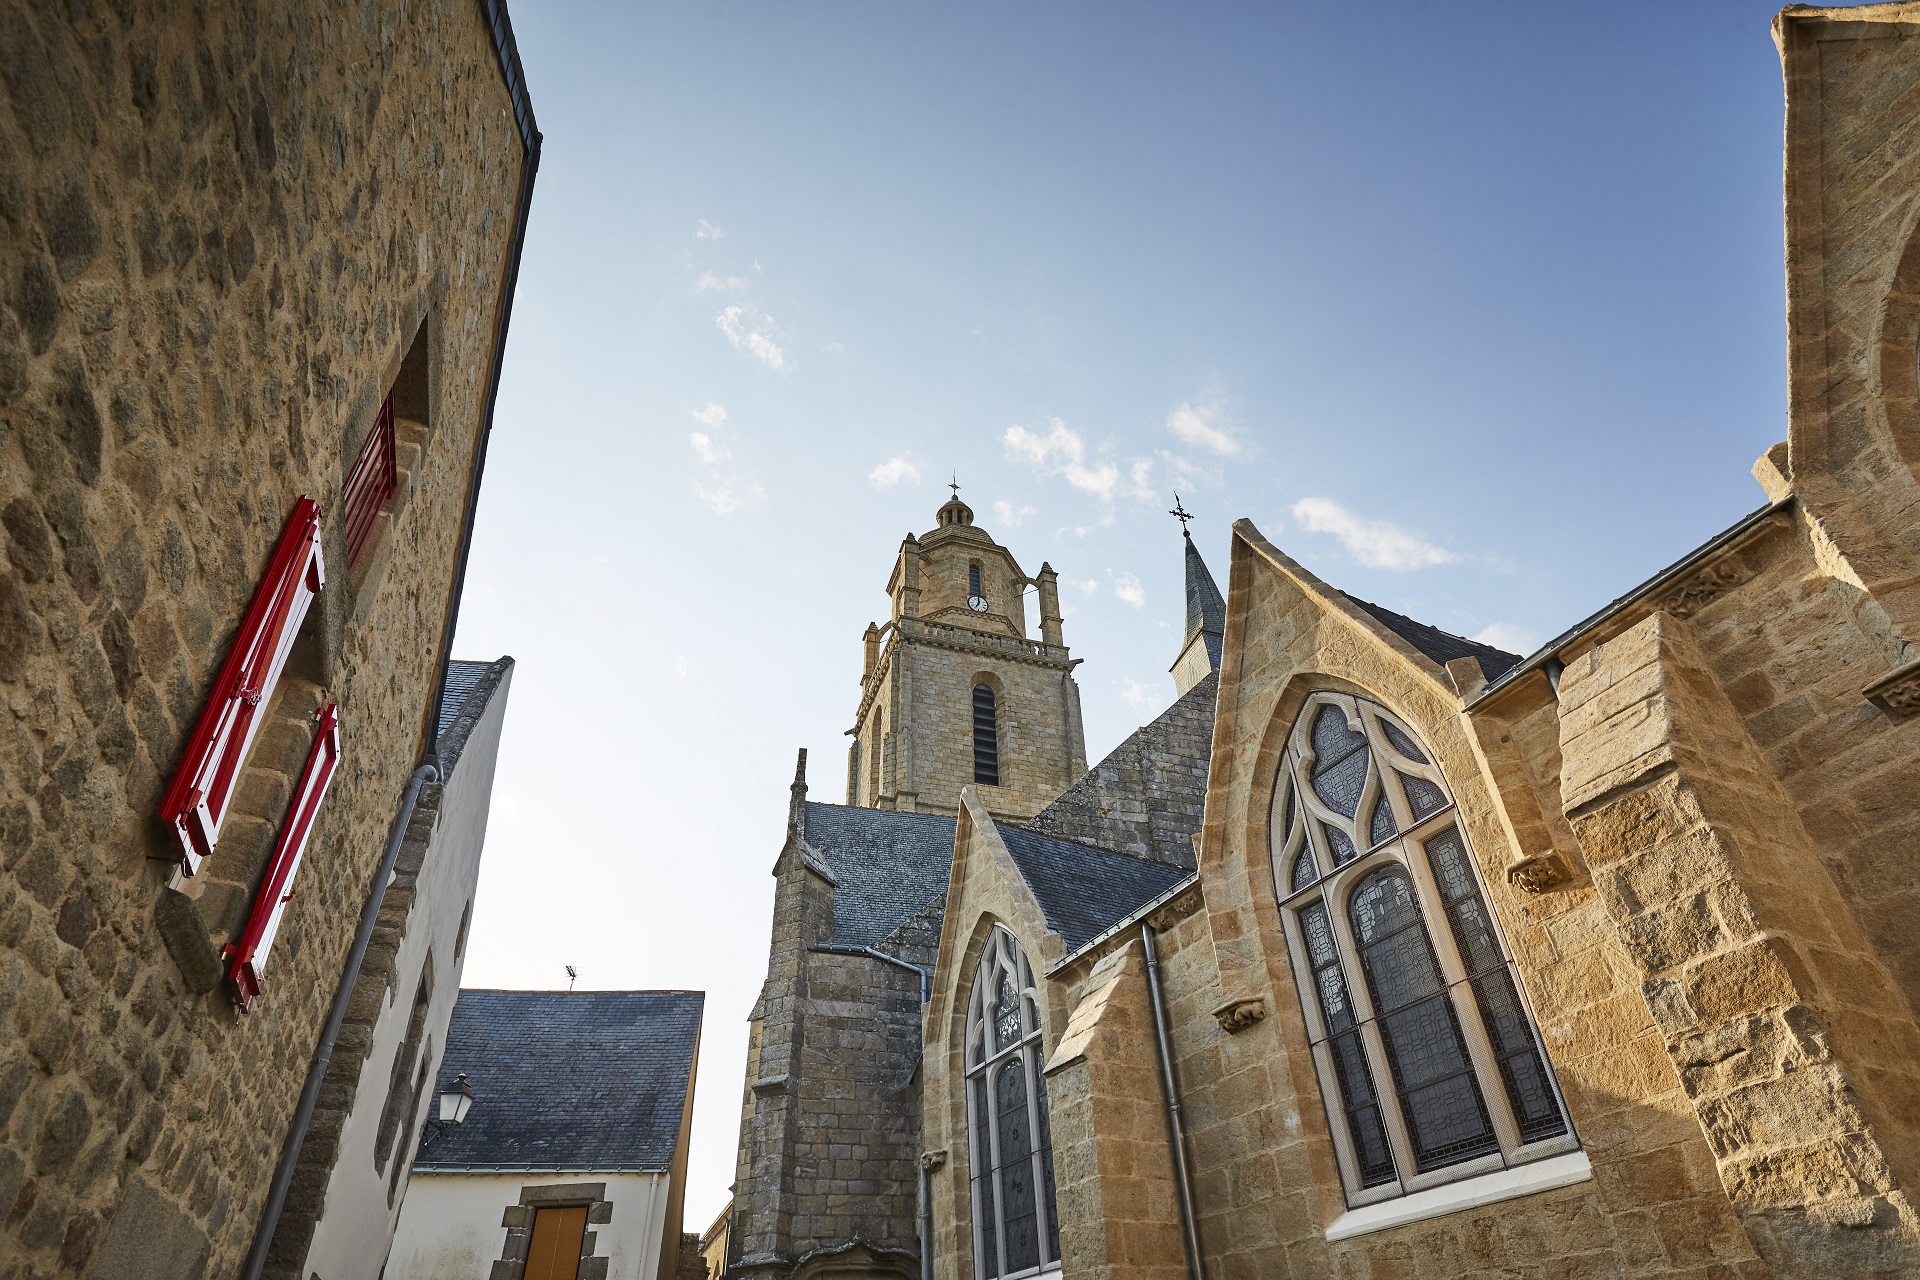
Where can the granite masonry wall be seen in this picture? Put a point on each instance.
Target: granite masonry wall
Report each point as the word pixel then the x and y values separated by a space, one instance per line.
pixel 222 230
pixel 1148 796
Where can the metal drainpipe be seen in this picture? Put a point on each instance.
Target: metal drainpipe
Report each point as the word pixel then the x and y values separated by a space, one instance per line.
pixel 1176 1133
pixel 330 1033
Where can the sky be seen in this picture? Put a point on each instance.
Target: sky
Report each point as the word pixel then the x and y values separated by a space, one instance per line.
pixel 1475 310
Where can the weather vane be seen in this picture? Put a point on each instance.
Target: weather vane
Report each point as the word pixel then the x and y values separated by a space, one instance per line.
pixel 955 486
pixel 572 976
pixel 1181 514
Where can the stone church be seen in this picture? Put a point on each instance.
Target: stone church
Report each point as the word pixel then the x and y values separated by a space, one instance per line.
pixel 1382 953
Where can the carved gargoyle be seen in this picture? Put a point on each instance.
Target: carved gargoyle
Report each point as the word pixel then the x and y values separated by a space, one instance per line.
pixel 1237 1015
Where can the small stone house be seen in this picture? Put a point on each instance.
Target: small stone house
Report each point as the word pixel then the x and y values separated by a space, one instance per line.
pixel 572 1162
pixel 1599 961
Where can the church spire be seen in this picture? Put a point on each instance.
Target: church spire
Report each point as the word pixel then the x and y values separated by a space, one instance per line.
pixel 1206 615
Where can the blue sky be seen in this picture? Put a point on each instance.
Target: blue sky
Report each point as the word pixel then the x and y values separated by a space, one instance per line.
pixel 1476 310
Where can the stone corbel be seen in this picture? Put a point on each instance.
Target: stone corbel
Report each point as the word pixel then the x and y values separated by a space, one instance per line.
pixel 772 1084
pixel 1686 599
pixel 1539 873
pixel 1183 904
pixel 1237 1015
pixel 1898 693
pixel 933 1161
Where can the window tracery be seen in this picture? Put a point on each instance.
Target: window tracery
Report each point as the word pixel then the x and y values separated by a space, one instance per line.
pixel 1428 1059
pixel 1016 1225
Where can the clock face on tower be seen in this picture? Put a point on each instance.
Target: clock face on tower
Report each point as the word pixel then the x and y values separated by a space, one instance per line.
pixel 977 603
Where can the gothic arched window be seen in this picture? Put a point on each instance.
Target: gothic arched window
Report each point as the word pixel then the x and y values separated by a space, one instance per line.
pixel 986 737
pixel 1016 1227
pixel 1428 1059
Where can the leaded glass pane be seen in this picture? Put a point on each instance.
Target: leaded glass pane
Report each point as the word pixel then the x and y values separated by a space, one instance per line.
pixel 1383 827
pixel 1286 823
pixel 1426 1052
pixel 1343 850
pixel 1330 985
pixel 1423 797
pixel 1019 1207
pixel 1523 1072
pixel 1304 870
pixel 1401 742
pixel 983 1179
pixel 1362 1106
pixel 1006 1015
pixel 1046 1174
pixel 1340 761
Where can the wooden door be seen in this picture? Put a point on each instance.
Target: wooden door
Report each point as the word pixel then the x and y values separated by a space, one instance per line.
pixel 554 1251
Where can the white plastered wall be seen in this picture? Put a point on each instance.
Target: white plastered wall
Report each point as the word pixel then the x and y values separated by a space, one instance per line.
pixel 451 1226
pixel 350 1242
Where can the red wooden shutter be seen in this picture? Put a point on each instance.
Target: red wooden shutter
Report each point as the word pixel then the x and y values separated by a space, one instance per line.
pixel 276 889
pixel 202 788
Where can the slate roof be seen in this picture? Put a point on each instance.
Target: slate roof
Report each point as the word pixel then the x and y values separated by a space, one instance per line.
pixel 1442 646
pixel 889 866
pixel 590 1081
pixel 462 679
pixel 1085 890
pixel 1206 610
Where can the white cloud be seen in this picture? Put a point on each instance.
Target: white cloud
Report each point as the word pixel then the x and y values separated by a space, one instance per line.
pixel 892 472
pixel 753 334
pixel 1377 544
pixel 835 347
pixel 713 415
pixel 681 667
pixel 707 449
pixel 1204 426
pixel 1128 588
pixel 707 231
pixel 1510 636
pixel 1010 516
pixel 729 495
pixel 1062 452
pixel 1088 585
pixel 509 809
pixel 1188 474
pixel 711 283
pixel 1140 479
pixel 1139 696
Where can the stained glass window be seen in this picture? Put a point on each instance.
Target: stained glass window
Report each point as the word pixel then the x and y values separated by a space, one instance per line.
pixel 1016 1224
pixel 1424 1076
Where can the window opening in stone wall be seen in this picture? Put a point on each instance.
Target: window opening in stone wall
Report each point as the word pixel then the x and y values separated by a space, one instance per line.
pixel 976 598
pixel 1429 1062
pixel 460 940
pixel 1016 1224
pixel 399 1096
pixel 986 737
pixel 370 482
pixel 874 757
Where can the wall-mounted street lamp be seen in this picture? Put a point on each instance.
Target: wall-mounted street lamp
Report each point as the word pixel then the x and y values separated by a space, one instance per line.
pixel 455 1101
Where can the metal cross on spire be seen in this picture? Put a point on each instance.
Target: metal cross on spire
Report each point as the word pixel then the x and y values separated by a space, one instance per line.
pixel 1181 514
pixel 955 486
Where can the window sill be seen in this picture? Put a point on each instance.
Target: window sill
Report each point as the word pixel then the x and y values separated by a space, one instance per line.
pixel 1469 1193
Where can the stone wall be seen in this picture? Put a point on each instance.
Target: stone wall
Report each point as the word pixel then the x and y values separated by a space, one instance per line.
pixel 926 692
pixel 221 231
pixel 1148 796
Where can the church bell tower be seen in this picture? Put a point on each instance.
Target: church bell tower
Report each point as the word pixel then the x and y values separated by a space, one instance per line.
pixel 953 691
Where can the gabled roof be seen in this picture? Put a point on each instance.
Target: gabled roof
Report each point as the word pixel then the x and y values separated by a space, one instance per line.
pixel 887 866
pixel 590 1081
pixel 1084 890
pixel 1442 646
pixel 469 690
pixel 1206 608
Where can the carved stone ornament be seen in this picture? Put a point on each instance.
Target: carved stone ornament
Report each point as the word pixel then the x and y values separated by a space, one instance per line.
pixel 1709 581
pixel 933 1161
pixel 1237 1015
pixel 1540 873
pixel 1184 904
pixel 1897 694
